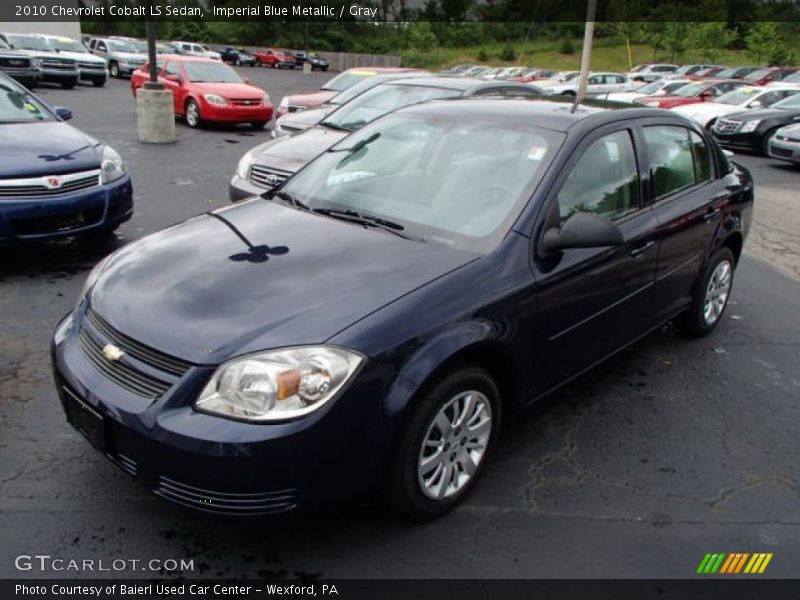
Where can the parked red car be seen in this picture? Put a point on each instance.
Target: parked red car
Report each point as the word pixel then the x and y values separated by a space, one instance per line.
pixel 698 91
pixel 208 90
pixel 277 59
pixel 341 82
pixel 535 75
pixel 769 74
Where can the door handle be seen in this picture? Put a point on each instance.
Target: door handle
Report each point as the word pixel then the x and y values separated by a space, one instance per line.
pixel 639 251
pixel 712 214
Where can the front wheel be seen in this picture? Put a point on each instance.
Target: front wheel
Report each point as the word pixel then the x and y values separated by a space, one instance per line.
pixel 67 85
pixel 113 69
pixel 98 83
pixel 711 296
pixel 193 118
pixel 445 445
pixel 258 124
pixel 765 141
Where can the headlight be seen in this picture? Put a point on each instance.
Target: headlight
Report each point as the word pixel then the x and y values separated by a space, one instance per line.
pixel 279 384
pixel 243 168
pixel 266 99
pixel 750 125
pixel 284 102
pixel 215 99
pixel 111 167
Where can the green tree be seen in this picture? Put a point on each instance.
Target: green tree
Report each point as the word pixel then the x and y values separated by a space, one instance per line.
pixel 763 40
pixel 710 39
pixel 421 36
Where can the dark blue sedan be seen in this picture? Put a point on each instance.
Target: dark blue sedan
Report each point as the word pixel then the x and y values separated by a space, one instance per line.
pixel 55 181
pixel 365 326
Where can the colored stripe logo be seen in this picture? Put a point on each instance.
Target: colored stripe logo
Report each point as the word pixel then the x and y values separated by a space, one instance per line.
pixel 734 563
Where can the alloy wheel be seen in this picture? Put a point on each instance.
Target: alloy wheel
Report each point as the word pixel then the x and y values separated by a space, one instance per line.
pixel 717 292
pixel 454 444
pixel 192 114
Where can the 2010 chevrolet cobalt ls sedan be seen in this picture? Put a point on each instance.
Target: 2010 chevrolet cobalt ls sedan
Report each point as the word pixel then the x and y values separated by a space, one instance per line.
pixel 367 325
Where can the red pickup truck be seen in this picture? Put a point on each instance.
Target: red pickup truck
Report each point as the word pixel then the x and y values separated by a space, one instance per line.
pixel 277 59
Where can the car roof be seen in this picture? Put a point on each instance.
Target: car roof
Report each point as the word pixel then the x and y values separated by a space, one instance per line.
pixel 458 83
pixel 546 113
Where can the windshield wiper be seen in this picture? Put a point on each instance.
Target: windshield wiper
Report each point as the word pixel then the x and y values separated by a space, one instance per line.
pixel 360 218
pixel 287 197
pixel 332 125
pixel 358 145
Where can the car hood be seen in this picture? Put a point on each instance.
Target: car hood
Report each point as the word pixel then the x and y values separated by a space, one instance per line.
pixel 790 130
pixel 82 57
pixel 45 148
pixel 623 96
pixel 241 91
pixel 765 113
pixel 707 110
pixel 129 55
pixel 293 152
pixel 191 291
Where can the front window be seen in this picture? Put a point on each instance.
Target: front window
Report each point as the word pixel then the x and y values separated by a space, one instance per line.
pixel 691 89
pixel 649 88
pixel 757 74
pixel 344 80
pixel 210 71
pixel 381 100
pixel 28 42
pixel 67 45
pixel 444 180
pixel 791 103
pixel 17 106
pixel 678 159
pixel 736 97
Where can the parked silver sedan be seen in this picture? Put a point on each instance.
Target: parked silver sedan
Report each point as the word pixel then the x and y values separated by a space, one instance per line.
pixel 785 144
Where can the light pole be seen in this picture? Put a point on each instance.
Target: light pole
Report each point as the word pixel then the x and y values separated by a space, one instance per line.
pixel 586 54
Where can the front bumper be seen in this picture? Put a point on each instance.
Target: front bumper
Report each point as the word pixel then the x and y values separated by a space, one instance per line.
pixel 92 75
pixel 26 76
pixel 236 113
pixel 785 150
pixel 240 189
pixel 747 140
pixel 215 464
pixel 128 68
pixel 82 212
pixel 58 76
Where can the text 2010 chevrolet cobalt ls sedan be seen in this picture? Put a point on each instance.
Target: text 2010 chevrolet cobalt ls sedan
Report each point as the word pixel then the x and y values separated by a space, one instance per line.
pixel 367 325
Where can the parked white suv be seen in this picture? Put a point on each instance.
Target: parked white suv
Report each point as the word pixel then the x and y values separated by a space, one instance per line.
pixel 193 49
pixel 651 72
pixel 121 56
pixel 53 67
pixel 597 84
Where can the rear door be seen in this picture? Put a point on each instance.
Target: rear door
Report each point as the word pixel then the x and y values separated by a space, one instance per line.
pixel 593 301
pixel 687 197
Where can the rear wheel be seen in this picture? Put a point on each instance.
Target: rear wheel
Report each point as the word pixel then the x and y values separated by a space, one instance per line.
pixel 98 83
pixel 711 296
pixel 258 124
pixel 193 118
pixel 237 62
pixel 67 85
pixel 445 445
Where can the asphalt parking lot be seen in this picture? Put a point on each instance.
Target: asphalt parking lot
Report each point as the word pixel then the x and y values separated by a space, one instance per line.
pixel 671 450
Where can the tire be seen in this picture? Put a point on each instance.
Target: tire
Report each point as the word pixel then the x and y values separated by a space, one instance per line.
pixel 98 83
pixel 258 124
pixel 113 70
pixel 192 114
pixel 258 63
pixel 67 85
pixel 764 147
pixel 569 93
pixel 413 489
pixel 711 295
pixel 237 62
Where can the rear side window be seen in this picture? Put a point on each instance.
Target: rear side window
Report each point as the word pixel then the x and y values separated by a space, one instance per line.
pixel 604 181
pixel 679 159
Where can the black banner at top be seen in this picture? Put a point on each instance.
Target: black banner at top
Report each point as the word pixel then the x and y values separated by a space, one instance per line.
pixel 386 11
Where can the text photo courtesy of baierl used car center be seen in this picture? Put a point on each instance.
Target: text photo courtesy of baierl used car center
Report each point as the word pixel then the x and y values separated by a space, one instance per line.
pixel 387 299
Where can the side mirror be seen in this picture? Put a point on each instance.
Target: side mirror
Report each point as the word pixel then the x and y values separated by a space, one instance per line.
pixel 63 113
pixel 581 230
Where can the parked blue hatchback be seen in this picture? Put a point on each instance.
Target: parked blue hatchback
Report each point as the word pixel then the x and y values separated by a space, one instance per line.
pixel 366 325
pixel 55 180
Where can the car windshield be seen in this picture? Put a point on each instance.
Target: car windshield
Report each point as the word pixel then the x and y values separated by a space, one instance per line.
pixel 381 100
pixel 440 178
pixel 210 71
pixel 118 46
pixel 757 74
pixel 140 47
pixel 793 78
pixel 791 103
pixel 650 88
pixel 359 88
pixel 738 96
pixel 684 69
pixel 673 87
pixel 344 80
pixel 28 42
pixel 67 45
pixel 691 89
pixel 16 106
pixel 726 73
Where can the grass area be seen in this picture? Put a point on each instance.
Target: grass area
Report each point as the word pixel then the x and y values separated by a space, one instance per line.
pixel 605 56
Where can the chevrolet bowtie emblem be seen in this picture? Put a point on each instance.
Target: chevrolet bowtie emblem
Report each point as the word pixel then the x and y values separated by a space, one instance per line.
pixel 111 352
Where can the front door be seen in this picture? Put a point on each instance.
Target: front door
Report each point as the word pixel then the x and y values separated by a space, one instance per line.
pixel 593 301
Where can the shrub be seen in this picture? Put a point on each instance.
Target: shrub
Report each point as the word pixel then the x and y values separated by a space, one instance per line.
pixel 508 54
pixel 482 56
pixel 567 47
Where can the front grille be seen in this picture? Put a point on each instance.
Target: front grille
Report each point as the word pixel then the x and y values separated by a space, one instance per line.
pixel 57 223
pixel 55 185
pixel 781 152
pixel 67 65
pixel 246 101
pixel 14 63
pixel 92 65
pixel 120 372
pixel 268 177
pixel 255 503
pixel 726 126
pixel 154 358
